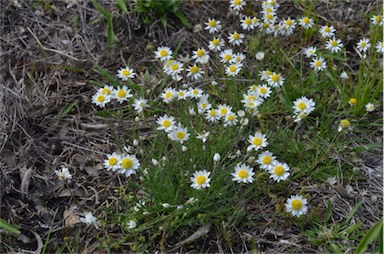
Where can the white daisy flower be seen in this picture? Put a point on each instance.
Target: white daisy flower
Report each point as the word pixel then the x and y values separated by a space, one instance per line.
pixel 200 179
pixel 230 119
pixel 200 56
pixel 182 94
pixel 89 219
pixel 226 56
pixel 179 134
pixel 238 58
pixel 237 5
pixel 334 45
pixel 275 80
pixel 212 115
pixel 369 107
pixel 163 53
pixel 344 124
pixel 270 18
pixel 168 94
pixel 265 74
pixel 203 103
pixel 344 75
pixel 224 109
pixel 195 93
pixel 304 105
pixel 247 23
pixel 363 45
pixel 112 162
pixel 236 38
pixel 265 160
pixel 125 73
pixel 128 164
pixel 140 104
pixel 259 55
pixel 327 31
pixel 122 94
pixel 279 171
pixel 203 136
pixel 297 205
pixel 216 44
pixel 257 141
pixel 173 68
pixel 167 123
pixel 64 174
pixel 233 69
pixel 318 64
pixel 243 174
pixel 107 90
pixel 101 99
pixel 377 20
pixel 213 26
pixel 264 91
pixel 380 47
pixel 194 72
pixel 310 52
pixel 306 22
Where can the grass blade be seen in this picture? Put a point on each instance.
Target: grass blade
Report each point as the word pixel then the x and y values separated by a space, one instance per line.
pixel 66 109
pixel 101 9
pixel 121 5
pixel 369 237
pixel 328 214
pixel 9 227
pixel 111 38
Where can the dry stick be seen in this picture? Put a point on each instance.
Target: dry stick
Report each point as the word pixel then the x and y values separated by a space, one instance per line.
pixel 83 148
pixel 51 50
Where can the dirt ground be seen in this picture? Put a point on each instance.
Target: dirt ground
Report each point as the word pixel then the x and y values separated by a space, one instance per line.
pixel 48 54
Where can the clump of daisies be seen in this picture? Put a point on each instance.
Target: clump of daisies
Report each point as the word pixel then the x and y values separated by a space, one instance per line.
pixel 123 163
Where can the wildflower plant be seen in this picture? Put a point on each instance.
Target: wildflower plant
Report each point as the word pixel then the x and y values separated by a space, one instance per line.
pixel 240 138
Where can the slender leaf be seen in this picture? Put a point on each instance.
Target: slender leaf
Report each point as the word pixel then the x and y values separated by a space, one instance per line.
pixel 111 38
pixel 66 109
pixel 328 214
pixel 107 76
pixel 352 228
pixel 121 5
pixel 8 227
pixel 354 210
pixel 103 11
pixel 369 237
pixel 182 18
pixel 163 20
pixel 368 147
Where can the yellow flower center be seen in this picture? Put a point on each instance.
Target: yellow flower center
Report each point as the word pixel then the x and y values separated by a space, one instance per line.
pixel 268 72
pixel 263 90
pixel 121 94
pixel 125 73
pixel 168 95
pixel 200 53
pixel 180 135
pixel 266 25
pixel 237 2
pixel 194 69
pixel 352 101
pixel 279 170
pixel 236 36
pixel 275 78
pixel 216 42
pixel 232 68
pixel 267 159
pixel 257 141
pixel 363 44
pixel 212 23
pixel 327 29
pixel 251 97
pixel 242 173
pixel 288 22
pixel 334 43
pixel 163 53
pixel 195 92
pixel 181 93
pixel 212 113
pixel 251 104
pixel 223 111
pixel 228 57
pixel 127 163
pixel 100 98
pixel 166 123
pixel 269 16
pixel 268 10
pixel 106 91
pixel 112 161
pixel 301 105
pixel 305 20
pixel 297 204
pixel 201 180
pixel 231 118
pixel 378 18
pixel 317 63
pixel 175 67
pixel 204 105
pixel 248 22
pixel 345 124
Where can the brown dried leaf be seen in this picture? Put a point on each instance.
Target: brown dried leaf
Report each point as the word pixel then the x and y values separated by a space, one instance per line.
pixel 70 218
